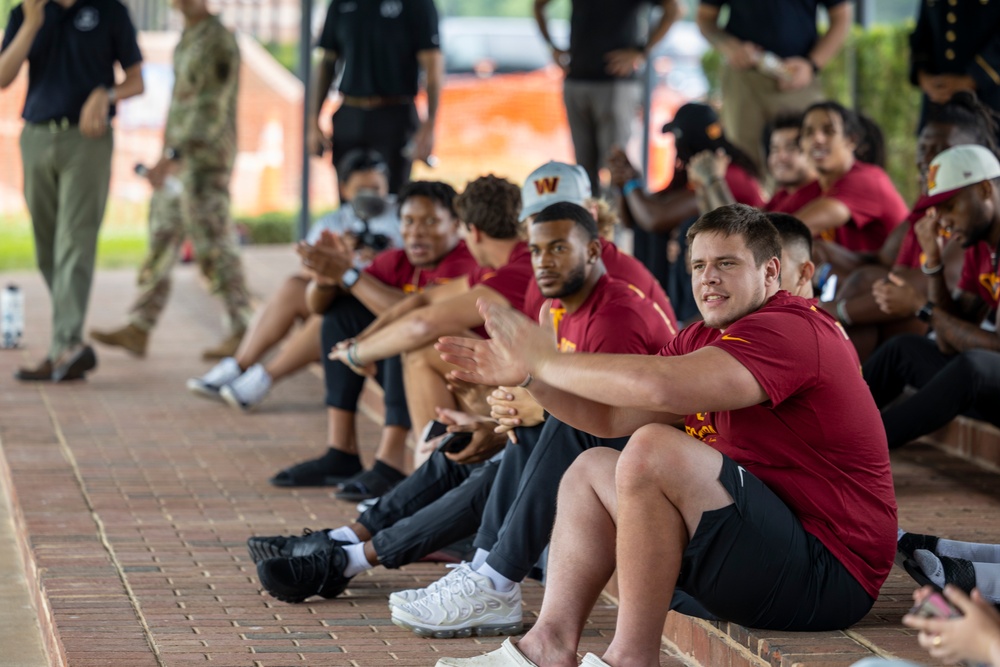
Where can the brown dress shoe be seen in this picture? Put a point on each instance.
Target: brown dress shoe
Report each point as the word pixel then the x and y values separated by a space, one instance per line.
pixel 130 338
pixel 74 363
pixel 226 348
pixel 40 373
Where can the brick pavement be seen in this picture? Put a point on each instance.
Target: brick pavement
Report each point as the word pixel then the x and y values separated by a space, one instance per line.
pixel 137 498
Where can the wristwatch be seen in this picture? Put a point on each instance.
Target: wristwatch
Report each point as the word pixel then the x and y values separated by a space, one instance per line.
pixel 112 94
pixel 171 153
pixel 924 314
pixel 350 277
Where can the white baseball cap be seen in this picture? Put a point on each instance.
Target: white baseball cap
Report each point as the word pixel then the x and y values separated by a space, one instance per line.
pixel 552 183
pixel 959 167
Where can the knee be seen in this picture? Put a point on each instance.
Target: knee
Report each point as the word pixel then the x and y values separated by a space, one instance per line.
pixel 976 365
pixel 589 469
pixel 654 453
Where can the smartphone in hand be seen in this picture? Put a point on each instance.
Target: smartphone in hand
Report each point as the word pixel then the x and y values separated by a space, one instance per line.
pixel 456 442
pixel 434 429
pixel 935 606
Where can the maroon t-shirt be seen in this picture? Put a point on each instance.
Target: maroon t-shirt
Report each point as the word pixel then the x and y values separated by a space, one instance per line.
pixel 790 201
pixel 910 254
pixel 818 443
pixel 510 280
pixel 979 274
pixel 623 267
pixel 875 205
pixel 614 319
pixel 393 268
pixel 745 188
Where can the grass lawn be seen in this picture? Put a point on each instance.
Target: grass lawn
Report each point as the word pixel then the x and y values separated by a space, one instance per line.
pixel 122 241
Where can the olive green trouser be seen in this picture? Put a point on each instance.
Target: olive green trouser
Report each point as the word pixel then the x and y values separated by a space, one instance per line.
pixel 66 180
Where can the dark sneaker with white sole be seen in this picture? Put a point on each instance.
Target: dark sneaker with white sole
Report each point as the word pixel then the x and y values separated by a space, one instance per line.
pixel 297 579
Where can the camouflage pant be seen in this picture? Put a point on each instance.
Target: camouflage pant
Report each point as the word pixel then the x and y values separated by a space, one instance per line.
pixel 202 213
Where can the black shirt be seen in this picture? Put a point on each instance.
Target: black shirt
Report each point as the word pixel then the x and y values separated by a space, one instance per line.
pixel 73 53
pixel 378 41
pixel 598 27
pixel 960 38
pixel 784 27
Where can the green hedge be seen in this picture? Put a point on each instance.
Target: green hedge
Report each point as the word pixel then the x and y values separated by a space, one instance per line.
pixel 880 57
pixel 278 227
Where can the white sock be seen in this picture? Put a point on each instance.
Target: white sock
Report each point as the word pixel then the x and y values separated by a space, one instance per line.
pixel 974 551
pixel 344 534
pixel 479 559
pixel 988 580
pixel 357 562
pixel 500 582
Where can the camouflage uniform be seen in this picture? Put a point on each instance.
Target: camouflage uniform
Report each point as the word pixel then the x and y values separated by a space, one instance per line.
pixel 201 126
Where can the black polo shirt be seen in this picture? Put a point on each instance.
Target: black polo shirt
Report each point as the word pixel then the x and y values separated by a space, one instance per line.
pixel 598 27
pixel 73 53
pixel 784 27
pixel 378 41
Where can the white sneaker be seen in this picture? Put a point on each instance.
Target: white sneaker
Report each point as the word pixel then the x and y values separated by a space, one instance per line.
pixel 248 389
pixel 507 655
pixel 219 376
pixel 467 605
pixel 399 598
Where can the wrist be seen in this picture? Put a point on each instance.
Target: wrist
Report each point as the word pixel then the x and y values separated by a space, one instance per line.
pixel 112 94
pixel 925 312
pixel 812 63
pixel 630 185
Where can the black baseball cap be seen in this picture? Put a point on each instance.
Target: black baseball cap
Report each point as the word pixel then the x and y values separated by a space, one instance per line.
pixel 696 126
pixel 361 159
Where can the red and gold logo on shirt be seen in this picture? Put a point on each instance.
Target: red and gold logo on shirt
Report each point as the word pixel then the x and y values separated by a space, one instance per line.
pixel 992 284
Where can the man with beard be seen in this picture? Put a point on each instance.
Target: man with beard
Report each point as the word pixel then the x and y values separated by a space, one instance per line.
pixel 445 499
pixel 959 371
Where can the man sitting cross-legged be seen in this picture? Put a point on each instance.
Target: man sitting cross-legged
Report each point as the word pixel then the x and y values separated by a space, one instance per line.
pixel 781 512
pixel 444 499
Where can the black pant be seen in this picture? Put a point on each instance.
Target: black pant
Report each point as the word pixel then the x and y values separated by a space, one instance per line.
pixel 346 318
pixel 385 129
pixel 517 523
pixel 440 503
pixel 948 385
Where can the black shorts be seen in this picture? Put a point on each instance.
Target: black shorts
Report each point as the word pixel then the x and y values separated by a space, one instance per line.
pixel 754 564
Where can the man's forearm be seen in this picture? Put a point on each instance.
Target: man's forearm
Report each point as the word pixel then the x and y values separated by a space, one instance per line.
pixel 325 73
pixel 957 335
pixel 132 85
pixel 827 46
pixel 435 74
pixel 375 295
pixel 672 11
pixel 16 53
pixel 596 418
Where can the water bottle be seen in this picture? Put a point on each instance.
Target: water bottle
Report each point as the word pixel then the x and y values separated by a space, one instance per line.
pixel 172 186
pixel 11 317
pixel 772 65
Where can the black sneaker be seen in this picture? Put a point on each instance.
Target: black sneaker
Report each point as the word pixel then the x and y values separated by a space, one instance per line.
pixel 279 546
pixel 374 483
pixel 296 579
pixel 331 469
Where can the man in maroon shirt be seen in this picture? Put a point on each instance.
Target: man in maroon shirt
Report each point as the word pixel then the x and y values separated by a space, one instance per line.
pixel 490 209
pixel 444 500
pixel 780 505
pixel 349 300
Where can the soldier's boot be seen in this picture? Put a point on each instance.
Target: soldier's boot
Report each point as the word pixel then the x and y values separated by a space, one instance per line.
pixel 226 348
pixel 130 338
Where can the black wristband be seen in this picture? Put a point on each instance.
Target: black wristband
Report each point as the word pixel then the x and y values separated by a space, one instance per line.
pixel 925 313
pixel 814 65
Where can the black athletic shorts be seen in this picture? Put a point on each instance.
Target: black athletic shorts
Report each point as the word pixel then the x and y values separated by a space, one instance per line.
pixel 754 564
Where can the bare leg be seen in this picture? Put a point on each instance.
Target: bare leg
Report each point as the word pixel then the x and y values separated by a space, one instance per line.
pixel 341 433
pixel 581 558
pixel 275 320
pixel 392 448
pixel 300 349
pixel 665 481
pixel 425 385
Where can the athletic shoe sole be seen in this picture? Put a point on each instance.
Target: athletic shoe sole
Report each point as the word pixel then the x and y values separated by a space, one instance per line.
pixel 203 391
pixel 230 398
pixel 445 632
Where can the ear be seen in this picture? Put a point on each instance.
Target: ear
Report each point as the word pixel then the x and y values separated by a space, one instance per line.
pixel 593 251
pixel 473 234
pixel 808 270
pixel 772 271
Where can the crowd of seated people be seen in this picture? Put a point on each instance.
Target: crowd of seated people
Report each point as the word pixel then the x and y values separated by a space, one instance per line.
pixel 505 324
